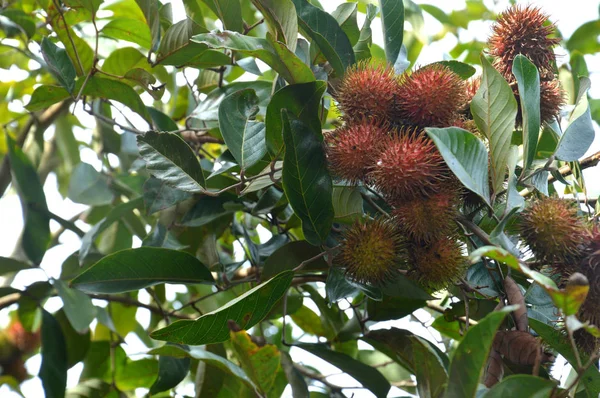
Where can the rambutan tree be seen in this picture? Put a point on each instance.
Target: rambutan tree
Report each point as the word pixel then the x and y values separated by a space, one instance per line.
pixel 234 198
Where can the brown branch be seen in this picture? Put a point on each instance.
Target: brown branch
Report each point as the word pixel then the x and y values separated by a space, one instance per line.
pixel 586 163
pixel 442 311
pixel 316 376
pixel 129 301
pixel 474 228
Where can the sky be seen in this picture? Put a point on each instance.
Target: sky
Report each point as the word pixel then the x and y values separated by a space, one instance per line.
pixel 568 16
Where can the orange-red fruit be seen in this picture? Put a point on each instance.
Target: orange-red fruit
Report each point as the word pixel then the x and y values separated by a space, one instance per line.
pixel 367 91
pixel 428 218
pixel 430 97
pixel 408 166
pixel 554 232
pixel 552 98
pixel 437 264
pixel 353 149
pixel 372 251
pixel 523 30
pixel 590 311
pixel 25 341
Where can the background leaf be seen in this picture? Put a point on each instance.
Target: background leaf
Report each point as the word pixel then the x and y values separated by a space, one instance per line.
pixel 392 22
pixel 53 370
pixel 59 63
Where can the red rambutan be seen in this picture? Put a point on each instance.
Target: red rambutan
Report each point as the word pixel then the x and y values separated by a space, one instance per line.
pixel 523 30
pixel 437 264
pixel 408 166
pixel 367 91
pixel 25 341
pixel 352 150
pixel 430 96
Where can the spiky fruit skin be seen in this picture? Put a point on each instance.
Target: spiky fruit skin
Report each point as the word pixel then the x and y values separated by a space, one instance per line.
pixel 429 218
pixel 523 30
pixel 372 251
pixel 352 150
pixel 25 341
pixel 431 96
pixel 408 167
pixel 471 87
pixel 367 91
pixel 552 99
pixel 553 231
pixel 437 264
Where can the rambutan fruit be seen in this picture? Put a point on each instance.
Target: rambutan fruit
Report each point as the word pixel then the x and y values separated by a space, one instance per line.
pixel 437 264
pixel 372 251
pixel 429 218
pixel 431 96
pixel 523 30
pixel 25 341
pixel 409 165
pixel 352 150
pixel 554 232
pixel 367 91
pixel 552 99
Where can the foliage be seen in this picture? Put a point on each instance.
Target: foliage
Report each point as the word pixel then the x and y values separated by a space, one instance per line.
pixel 222 184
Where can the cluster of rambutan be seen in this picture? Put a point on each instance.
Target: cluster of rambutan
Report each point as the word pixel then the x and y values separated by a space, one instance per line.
pixel 566 243
pixel 383 145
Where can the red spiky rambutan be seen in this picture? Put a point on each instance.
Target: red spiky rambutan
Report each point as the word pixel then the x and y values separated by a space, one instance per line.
pixel 367 91
pixel 431 96
pixel 523 30
pixel 25 341
pixel 409 165
pixel 372 251
pixel 554 232
pixel 437 264
pixel 471 87
pixel 429 218
pixel 353 149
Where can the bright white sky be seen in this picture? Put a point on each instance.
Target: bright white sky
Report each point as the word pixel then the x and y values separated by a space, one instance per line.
pixel 567 15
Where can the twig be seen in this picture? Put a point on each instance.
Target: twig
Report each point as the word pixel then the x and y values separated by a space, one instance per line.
pixel 315 376
pixel 441 310
pixel 318 256
pixel 375 205
pixel 247 29
pixel 69 34
pixel 471 226
pixel 158 304
pixel 130 301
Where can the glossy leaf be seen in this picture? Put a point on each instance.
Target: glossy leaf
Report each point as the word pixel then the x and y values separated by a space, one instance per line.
pixel 150 10
pixel 89 187
pixel 260 363
pixel 282 20
pixel 246 310
pixel 577 138
pixel 78 306
pixel 528 81
pixel 347 203
pixel 345 15
pixel 158 195
pixel 129 29
pixel 521 385
pixel 9 265
pixel 59 63
pixel 392 22
pixel 229 12
pixel 53 370
pixel 169 159
pixel 243 134
pixel 463 70
pixel 466 156
pixel 324 30
pixel 362 48
pixel 494 110
pixel 306 181
pixel 134 269
pixel 291 255
pixel 171 372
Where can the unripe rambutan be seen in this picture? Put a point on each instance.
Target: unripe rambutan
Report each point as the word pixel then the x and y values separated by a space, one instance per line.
pixel 554 232
pixel 367 91
pixel 523 30
pixel 430 96
pixel 409 165
pixel 372 251
pixel 352 150
pixel 429 218
pixel 437 264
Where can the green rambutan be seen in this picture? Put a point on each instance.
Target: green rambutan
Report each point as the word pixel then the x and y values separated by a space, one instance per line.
pixel 437 264
pixel 523 30
pixel 352 150
pixel 367 91
pixel 554 232
pixel 429 218
pixel 409 165
pixel 372 251
pixel 431 96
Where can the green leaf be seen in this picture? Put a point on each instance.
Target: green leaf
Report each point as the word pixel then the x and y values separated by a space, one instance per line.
pixel 229 12
pixel 528 80
pixel 177 49
pixel 78 306
pixel 274 54
pixel 136 374
pixel 347 203
pixel 466 156
pixel 463 70
pixel 150 10
pixel 80 52
pixel 59 64
pixel 282 20
pixel 390 308
pixel 289 256
pixel 577 139
pixel 472 354
pixel 89 187
pixel 36 232
pixel 306 181
pixel 324 30
pixel 128 29
pixel 246 310
pixel 9 265
pixel 161 121
pixel 53 370
pixel 158 195
pixel 521 386
pixel 301 100
pixel 260 363
pixel 494 110
pixel 585 38
pixel 134 269
pixel 345 15
pixel 362 48
pixel 369 377
pixel 170 159
pixel 25 23
pixel 337 287
pixel 171 372
pixel 243 135
pixel 392 22
pixel 77 344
